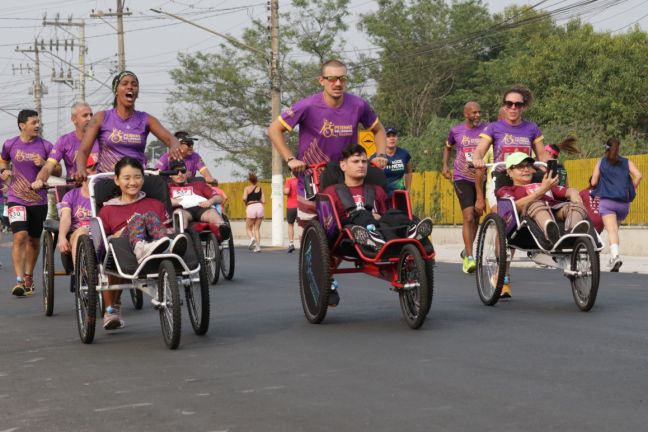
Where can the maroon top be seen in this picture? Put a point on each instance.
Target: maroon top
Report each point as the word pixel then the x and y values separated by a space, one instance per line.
pixel 555 195
pixel 115 216
pixel 194 188
pixel 357 192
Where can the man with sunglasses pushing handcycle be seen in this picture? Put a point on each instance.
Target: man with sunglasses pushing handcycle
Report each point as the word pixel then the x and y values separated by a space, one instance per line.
pixel 328 122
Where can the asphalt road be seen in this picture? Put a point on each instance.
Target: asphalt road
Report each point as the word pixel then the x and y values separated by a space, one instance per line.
pixel 535 363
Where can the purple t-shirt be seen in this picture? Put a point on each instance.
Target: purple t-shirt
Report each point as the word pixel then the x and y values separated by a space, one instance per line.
pixel 79 205
pixel 66 148
pixel 119 138
pixel 193 162
pixel 24 171
pixel 508 138
pixel 465 140
pixel 324 131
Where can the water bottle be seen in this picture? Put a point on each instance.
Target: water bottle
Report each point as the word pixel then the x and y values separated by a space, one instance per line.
pixel 334 285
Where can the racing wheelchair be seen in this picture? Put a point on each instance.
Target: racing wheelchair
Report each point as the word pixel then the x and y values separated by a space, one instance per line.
pixel 218 247
pixel 501 233
pixel 160 276
pixel 403 262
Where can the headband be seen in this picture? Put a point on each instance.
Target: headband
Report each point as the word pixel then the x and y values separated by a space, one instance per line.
pixel 119 77
pixel 551 150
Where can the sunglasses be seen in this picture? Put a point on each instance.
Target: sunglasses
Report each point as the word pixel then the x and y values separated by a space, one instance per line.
pixel 181 171
pixel 334 78
pixel 523 165
pixel 511 104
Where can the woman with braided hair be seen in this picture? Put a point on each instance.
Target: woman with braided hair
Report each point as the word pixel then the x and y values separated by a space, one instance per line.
pixel 122 131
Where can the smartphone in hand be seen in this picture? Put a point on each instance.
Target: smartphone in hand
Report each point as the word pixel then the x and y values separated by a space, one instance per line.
pixel 552 167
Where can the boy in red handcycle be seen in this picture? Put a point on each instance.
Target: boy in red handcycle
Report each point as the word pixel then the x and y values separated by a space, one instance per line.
pixel 355 223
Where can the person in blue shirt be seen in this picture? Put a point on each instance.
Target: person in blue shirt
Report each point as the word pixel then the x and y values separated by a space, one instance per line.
pixel 399 164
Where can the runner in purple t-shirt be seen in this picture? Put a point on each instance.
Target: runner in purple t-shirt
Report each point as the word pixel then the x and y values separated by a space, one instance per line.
pixel 464 138
pixel 67 146
pixel 74 214
pixel 328 122
pixel 122 131
pixel 27 208
pixel 192 159
pixel 508 135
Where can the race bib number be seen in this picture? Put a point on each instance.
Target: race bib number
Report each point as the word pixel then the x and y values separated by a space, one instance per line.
pixel 468 154
pixel 178 192
pixel 84 223
pixel 507 150
pixel 17 214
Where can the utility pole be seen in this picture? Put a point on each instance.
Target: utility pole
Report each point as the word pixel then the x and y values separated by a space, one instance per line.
pixel 275 88
pixel 275 91
pixel 38 88
pixel 82 51
pixel 121 53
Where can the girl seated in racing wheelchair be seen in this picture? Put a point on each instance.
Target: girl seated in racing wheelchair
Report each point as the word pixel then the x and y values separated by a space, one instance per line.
pixel 142 220
pixel 543 202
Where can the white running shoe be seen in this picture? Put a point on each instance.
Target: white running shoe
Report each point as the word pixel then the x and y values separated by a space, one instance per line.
pixel 615 263
pixel 144 249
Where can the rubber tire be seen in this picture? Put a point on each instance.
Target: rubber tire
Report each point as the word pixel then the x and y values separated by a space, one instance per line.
pixel 48 273
pixel 198 314
pixel 429 274
pixel 171 323
pixel 314 249
pixel 583 244
pixel 86 300
pixel 212 258
pixel 137 298
pixel 491 222
pixel 415 303
pixel 228 259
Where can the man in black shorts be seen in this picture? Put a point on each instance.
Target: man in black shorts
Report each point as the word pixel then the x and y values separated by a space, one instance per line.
pixel 464 137
pixel 27 208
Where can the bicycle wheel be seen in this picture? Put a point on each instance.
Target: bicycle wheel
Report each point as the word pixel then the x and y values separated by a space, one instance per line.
pixel 48 273
pixel 86 289
pixel 314 272
pixel 197 294
pixel 491 259
pixel 169 298
pixel 227 259
pixel 585 263
pixel 415 295
pixel 212 258
pixel 137 298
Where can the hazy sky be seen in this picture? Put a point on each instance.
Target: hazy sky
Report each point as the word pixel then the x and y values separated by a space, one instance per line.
pixel 153 41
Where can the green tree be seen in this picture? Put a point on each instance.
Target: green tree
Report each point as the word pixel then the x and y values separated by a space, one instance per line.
pixel 428 49
pixel 224 97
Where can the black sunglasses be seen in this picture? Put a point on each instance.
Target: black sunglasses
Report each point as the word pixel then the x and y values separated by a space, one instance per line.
pixel 511 104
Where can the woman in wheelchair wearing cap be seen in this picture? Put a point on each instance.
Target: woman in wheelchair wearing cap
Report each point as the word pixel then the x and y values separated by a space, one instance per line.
pixel 543 202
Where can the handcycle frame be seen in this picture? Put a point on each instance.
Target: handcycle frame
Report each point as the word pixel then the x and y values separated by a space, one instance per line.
pixel 331 240
pixel 503 232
